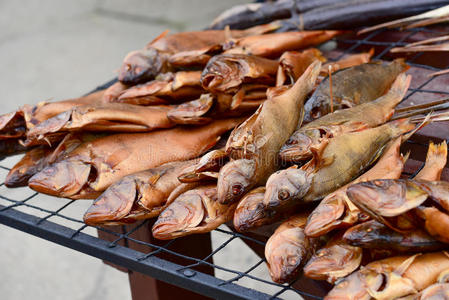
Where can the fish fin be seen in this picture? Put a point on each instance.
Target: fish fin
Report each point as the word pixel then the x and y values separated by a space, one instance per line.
pixel 301 116
pixel 58 149
pixel 293 167
pixel 237 98
pixel 405 264
pixel 317 151
pixel 160 36
pixel 153 179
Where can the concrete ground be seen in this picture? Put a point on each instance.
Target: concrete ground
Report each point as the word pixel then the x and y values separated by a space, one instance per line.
pixel 53 49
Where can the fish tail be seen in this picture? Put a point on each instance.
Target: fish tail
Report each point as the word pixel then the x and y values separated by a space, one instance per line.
pixel 437 151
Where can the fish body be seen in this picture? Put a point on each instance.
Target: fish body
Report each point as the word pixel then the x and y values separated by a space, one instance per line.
pixel 288 249
pixel 392 277
pixel 352 86
pixel 254 145
pixel 373 234
pixel 336 210
pixel 112 117
pixel 342 160
pixel 366 115
pixel 195 211
pixel 335 260
pixel 94 166
pixel 227 72
pixel 146 191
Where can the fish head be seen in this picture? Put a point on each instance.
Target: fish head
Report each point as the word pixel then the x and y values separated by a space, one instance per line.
pixel 114 204
pixel 251 212
pixel 297 147
pixel 316 107
pixel 364 233
pixel 334 261
pixel 386 283
pixel 386 197
pixel 184 214
pixel 326 216
pixel 286 252
pixel 141 66
pixel 286 187
pixel 222 72
pixel 235 179
pixel 63 179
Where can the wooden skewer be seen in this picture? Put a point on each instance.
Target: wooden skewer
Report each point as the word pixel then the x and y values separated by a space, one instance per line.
pixel 330 88
pixel 429 41
pixel 438 47
pixel 438 73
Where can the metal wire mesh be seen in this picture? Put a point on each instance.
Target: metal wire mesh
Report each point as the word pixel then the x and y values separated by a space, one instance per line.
pixel 39 205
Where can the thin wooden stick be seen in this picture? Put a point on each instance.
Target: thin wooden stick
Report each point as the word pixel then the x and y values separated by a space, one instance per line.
pixel 442 72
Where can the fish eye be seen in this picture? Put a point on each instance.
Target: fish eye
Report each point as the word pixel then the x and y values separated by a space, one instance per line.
pixel 237 189
pixel 283 195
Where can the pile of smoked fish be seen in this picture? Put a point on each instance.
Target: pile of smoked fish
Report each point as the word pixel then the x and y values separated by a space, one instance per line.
pixel 255 128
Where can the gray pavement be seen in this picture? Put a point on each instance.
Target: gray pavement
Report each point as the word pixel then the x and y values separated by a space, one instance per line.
pixel 52 49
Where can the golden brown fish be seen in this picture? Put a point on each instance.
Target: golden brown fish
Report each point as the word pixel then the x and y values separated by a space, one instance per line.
pixel 337 164
pixel 255 143
pixel 226 73
pixel 335 260
pixel 373 234
pixel 292 65
pixel 352 86
pixel 436 159
pixel 336 210
pixel 15 124
pixel 109 117
pixel 391 278
pixel 347 62
pixel 166 88
pixel 36 159
pixel 180 50
pixel 94 166
pixel 288 249
pixel 147 192
pixel 195 211
pixel 274 44
pixel 112 93
pixel 367 115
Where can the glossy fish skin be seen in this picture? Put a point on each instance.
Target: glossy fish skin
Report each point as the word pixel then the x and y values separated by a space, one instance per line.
pixel 94 166
pixel 288 249
pixel 347 62
pixel 206 168
pixel 38 158
pixel 391 278
pixel 112 117
pixel 335 260
pixel 437 291
pixel 195 211
pixel 436 222
pixel 292 65
pixel 166 88
pixel 148 189
pixel 227 72
pixel 192 112
pixel 32 162
pixel 373 234
pixel 352 86
pixel 340 162
pixel 274 44
pixel 366 115
pixel 15 124
pixel 179 50
pixel 336 210
pixel 256 142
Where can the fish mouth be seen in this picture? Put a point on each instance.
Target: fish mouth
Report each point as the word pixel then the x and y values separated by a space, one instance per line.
pixel 114 204
pixel 284 268
pixel 186 212
pixel 62 179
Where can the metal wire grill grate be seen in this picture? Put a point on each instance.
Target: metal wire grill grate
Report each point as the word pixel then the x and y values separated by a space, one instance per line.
pixel 34 213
